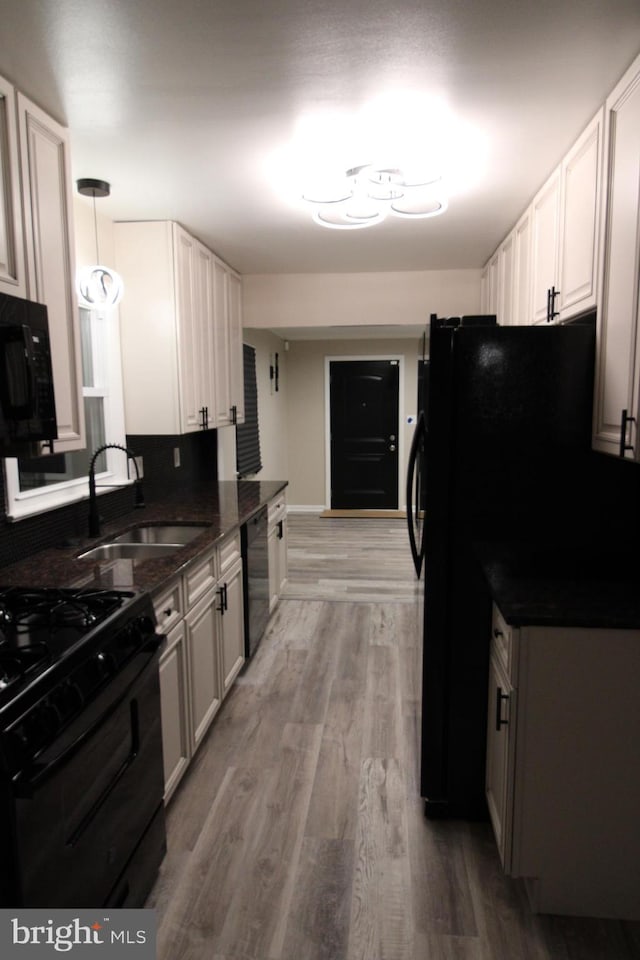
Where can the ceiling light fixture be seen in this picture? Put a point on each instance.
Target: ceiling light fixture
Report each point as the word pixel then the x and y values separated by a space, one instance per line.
pixel 99 287
pixel 367 194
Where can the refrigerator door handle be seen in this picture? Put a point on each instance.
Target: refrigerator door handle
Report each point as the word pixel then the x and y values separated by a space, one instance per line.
pixel 418 437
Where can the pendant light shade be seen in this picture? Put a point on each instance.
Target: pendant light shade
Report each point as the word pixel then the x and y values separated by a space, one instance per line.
pixel 99 287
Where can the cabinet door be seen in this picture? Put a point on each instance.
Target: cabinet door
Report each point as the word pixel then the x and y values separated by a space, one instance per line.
pixel 273 549
pixel 506 277
pixel 204 667
pixel 12 269
pixel 231 626
pixel 545 212
pixel 236 365
pixel 493 283
pixel 580 220
pixel 189 337
pixel 500 759
pixel 46 178
pixel 173 702
pixel 484 289
pixel 203 294
pixel 522 270
pixel 222 345
pixel 617 375
pixel 283 566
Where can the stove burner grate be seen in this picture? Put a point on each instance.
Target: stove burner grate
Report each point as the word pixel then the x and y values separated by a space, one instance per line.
pixel 37 625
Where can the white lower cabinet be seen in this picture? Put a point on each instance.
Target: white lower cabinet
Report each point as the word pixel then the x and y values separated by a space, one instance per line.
pixel 277 547
pixel 201 614
pixel 175 719
pixel 231 626
pixel 205 689
pixel 562 776
pixel 500 753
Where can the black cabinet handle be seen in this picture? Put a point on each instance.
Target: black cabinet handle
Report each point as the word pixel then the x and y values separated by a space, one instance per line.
pixel 224 600
pixel 233 414
pixel 624 446
pixel 280 530
pixel 548 303
pixel 553 313
pixel 500 696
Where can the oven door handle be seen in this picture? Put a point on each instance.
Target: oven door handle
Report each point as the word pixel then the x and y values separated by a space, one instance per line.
pixel 25 784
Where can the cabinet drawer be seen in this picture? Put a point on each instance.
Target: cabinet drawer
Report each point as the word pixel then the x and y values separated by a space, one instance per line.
pixel 503 643
pixel 228 553
pixel 169 607
pixel 277 509
pixel 200 578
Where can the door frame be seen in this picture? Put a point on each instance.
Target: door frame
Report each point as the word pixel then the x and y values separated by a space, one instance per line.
pixel 327 416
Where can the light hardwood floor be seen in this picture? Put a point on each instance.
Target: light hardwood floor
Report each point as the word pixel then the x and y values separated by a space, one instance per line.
pixel 298 832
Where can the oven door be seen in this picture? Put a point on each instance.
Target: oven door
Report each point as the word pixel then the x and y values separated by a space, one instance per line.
pixel 82 810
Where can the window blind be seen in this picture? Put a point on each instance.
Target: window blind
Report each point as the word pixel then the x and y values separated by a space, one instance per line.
pixel 248 433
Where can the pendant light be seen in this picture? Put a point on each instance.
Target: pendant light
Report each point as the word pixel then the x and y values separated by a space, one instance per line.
pixel 99 287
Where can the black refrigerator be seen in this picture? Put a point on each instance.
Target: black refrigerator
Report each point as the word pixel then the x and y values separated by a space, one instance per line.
pixel 505 445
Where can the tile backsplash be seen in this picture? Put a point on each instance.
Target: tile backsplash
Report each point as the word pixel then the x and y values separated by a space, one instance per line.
pixel 198 461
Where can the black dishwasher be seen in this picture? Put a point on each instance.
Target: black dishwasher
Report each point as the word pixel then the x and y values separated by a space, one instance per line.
pixel 255 579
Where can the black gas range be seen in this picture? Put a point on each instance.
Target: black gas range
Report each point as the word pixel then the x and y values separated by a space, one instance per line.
pixel 81 780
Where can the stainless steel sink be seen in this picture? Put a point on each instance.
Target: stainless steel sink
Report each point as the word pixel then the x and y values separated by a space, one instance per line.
pixel 129 551
pixel 161 534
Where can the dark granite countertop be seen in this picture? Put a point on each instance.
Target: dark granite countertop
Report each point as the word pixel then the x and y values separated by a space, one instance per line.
pixel 578 585
pixel 223 507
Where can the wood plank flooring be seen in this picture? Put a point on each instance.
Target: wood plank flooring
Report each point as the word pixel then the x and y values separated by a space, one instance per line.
pixel 298 832
pixel 334 558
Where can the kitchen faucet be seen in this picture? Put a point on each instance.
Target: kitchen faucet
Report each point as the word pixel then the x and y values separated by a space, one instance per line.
pixel 94 518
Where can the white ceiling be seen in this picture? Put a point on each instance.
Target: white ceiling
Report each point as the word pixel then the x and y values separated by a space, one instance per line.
pixel 178 105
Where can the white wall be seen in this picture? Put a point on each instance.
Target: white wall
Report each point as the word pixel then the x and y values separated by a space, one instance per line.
pixel 272 404
pixel 306 409
pixel 347 299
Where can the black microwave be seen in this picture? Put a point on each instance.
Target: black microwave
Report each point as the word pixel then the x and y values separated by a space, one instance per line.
pixel 27 402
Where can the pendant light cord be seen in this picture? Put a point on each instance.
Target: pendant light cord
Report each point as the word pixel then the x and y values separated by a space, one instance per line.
pixel 95 227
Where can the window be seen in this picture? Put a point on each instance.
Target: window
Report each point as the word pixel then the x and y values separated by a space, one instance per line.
pixel 248 433
pixel 34 486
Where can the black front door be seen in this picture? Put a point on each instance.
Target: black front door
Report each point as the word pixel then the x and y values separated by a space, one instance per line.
pixel 364 434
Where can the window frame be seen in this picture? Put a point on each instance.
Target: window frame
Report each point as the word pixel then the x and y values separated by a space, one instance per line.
pixel 105 355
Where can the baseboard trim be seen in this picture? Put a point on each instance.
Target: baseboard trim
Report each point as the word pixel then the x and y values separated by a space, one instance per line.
pixel 366 514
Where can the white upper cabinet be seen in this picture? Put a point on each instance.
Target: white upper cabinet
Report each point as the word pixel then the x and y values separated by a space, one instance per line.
pixel 229 373
pixel 48 227
pixel 548 268
pixel 12 268
pixel 236 365
pixel 192 266
pixel 176 335
pixel 545 222
pixel 506 280
pixel 580 222
pixel 617 404
pixel 522 269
